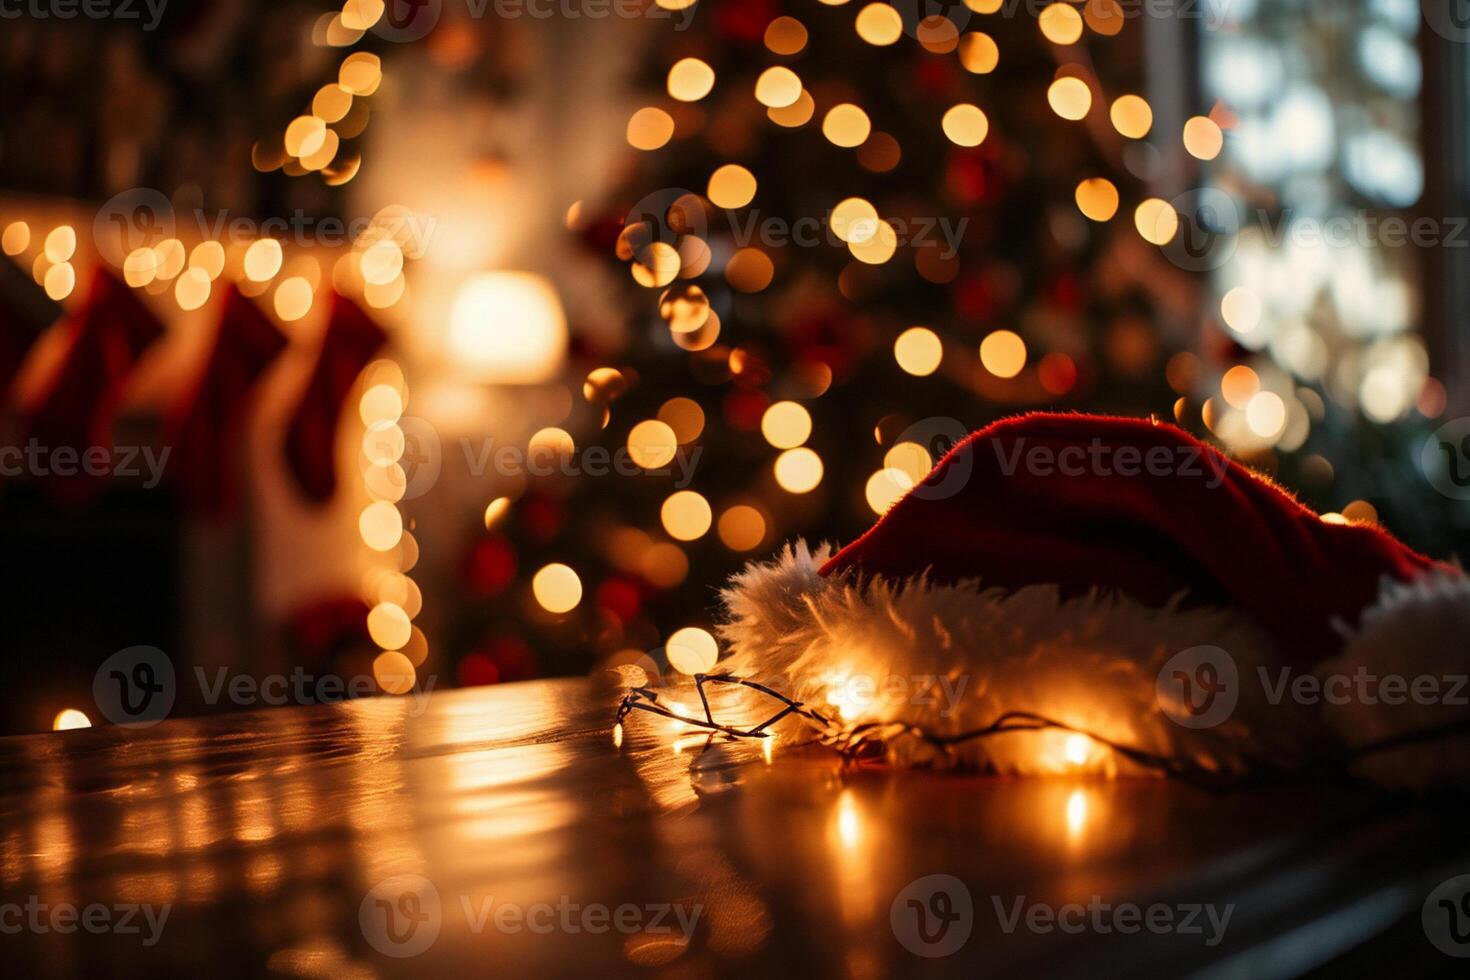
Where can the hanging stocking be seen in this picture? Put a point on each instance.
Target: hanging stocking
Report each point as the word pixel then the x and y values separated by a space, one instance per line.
pixel 350 341
pixel 206 425
pixel 75 411
pixel 25 313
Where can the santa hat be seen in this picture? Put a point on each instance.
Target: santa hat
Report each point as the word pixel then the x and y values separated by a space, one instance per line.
pixel 1090 570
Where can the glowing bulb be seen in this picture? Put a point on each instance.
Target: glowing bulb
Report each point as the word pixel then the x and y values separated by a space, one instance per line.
pixel 70 719
pixel 507 328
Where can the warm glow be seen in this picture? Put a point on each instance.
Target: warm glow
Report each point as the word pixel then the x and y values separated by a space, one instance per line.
pixel 1003 353
pixel 799 113
pixel 877 249
pixel 389 626
pixel 140 267
pixel 846 125
pixel 918 351
pixel 60 280
pixel 965 125
pixel 684 416
pixel 293 298
pixel 798 470
pixel 1265 413
pixel 495 510
pixel 742 528
pixel 1132 117
pixel 557 588
pixel 731 186
pixel 507 328
pixel 885 488
pixel 1157 221
pixel 686 515
pixel 910 459
pixel 70 719
pixel 854 220
pixel 785 35
pixel 777 87
pixel 380 403
pixel 394 672
pixel 690 80
pixel 652 444
pixel 879 24
pixel 1203 138
pixel 61 244
pixel 1241 309
pixel 208 257
pixel 263 260
pixel 979 53
pixel 380 525
pixel 692 650
pixel 192 289
pixel 1060 23
pixel 649 128
pixel 1070 98
pixel 1076 749
pixel 786 425
pixel 1239 386
pixel 1097 198
pixel 16 239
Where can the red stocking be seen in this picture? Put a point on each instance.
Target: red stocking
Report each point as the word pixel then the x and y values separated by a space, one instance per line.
pixel 206 424
pixel 107 336
pixel 349 344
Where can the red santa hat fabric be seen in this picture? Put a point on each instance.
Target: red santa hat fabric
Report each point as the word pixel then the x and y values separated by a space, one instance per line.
pixel 1137 507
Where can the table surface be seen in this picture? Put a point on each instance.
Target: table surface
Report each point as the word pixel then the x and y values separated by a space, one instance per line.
pixel 499 831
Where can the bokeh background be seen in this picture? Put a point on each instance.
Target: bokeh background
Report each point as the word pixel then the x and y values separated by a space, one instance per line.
pixel 722 273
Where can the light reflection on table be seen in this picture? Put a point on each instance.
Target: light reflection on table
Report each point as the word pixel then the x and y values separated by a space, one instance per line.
pixel 266 832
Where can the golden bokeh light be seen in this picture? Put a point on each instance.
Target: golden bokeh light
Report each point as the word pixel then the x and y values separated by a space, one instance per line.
pixel 686 515
pixel 799 113
pixel 854 220
pixel 495 512
pixel 331 103
pixel 16 238
pixel 649 128
pixel 1070 98
pixel 777 87
pixel 557 588
pixel 140 267
pixel 731 186
pixel 785 35
pixel 965 125
pixel 692 650
pixel 209 257
pixel 394 672
pixel 742 528
pixel 170 257
pixel 263 260
pixel 1132 116
pixel 60 280
pixel 1203 138
pixel 1060 23
pixel 918 351
pixel 1265 413
pixel 798 470
pixel 381 262
pixel 1157 221
pixel 652 444
pixel 657 264
pixel 690 80
pixel 749 270
pixel 885 488
pixel 846 125
pixel 1241 309
pixel 684 416
pixel 61 244
pixel 937 34
pixel 380 403
pixel 380 525
pixel 389 625
pixel 979 54
pixel 786 425
pixel 879 24
pixel 1003 353
pixel 877 249
pixel 192 289
pixel 910 459
pixel 70 719
pixel 361 73
pixel 1097 198
pixel 293 298
pixel 304 134
pixel 1239 385
pixel 549 444
pixel 1105 17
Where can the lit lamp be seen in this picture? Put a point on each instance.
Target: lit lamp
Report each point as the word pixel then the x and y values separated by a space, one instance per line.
pixel 507 328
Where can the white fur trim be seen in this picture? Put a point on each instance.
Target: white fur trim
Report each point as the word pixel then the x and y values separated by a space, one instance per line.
pixel 1415 631
pixel 1091 662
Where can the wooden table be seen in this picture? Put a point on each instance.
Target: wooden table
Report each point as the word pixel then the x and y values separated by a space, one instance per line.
pixel 316 841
